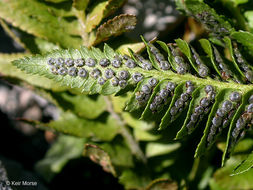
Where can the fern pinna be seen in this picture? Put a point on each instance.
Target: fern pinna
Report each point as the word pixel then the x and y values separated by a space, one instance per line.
pixel 167 80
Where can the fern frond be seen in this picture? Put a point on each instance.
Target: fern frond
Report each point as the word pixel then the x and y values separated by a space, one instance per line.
pixel 164 84
pixel 217 25
pixel 42 21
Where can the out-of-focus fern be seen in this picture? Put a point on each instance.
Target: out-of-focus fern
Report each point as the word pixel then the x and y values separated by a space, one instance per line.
pixel 67 25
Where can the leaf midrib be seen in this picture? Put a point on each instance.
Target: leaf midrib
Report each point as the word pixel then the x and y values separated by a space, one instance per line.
pixel 198 81
pixel 162 75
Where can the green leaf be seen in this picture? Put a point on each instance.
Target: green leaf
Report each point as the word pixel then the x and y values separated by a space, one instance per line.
pixel 231 141
pixel 245 145
pixel 64 149
pixel 150 55
pixel 99 11
pixel 134 46
pixel 44 46
pixel 109 52
pixel 173 54
pixel 119 152
pixel 133 104
pixel 249 17
pixel 69 123
pixel 80 4
pixel 245 38
pixel 223 180
pixel 95 16
pixel 236 17
pixel 195 60
pixel 156 149
pixel 142 130
pixel 41 20
pixel 244 166
pixel 99 156
pixel 216 24
pixel 7 70
pixel 167 118
pixel 213 53
pixel 115 27
pixel 230 47
pixel 205 178
pixel 113 5
pixel 238 2
pixel 185 130
pixel 86 84
pixel 134 179
pixel 119 102
pixel 147 113
pixel 184 47
pixel 220 98
pixel 82 105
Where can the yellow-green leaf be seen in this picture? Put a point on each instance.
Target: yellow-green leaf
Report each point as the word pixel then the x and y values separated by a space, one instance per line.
pixel 99 11
pixel 115 27
pixel 42 20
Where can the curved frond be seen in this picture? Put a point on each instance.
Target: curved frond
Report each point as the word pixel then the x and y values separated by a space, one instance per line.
pixel 166 82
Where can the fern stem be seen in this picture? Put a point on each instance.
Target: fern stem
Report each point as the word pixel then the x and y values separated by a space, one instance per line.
pixel 81 19
pixel 132 143
pixel 198 81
